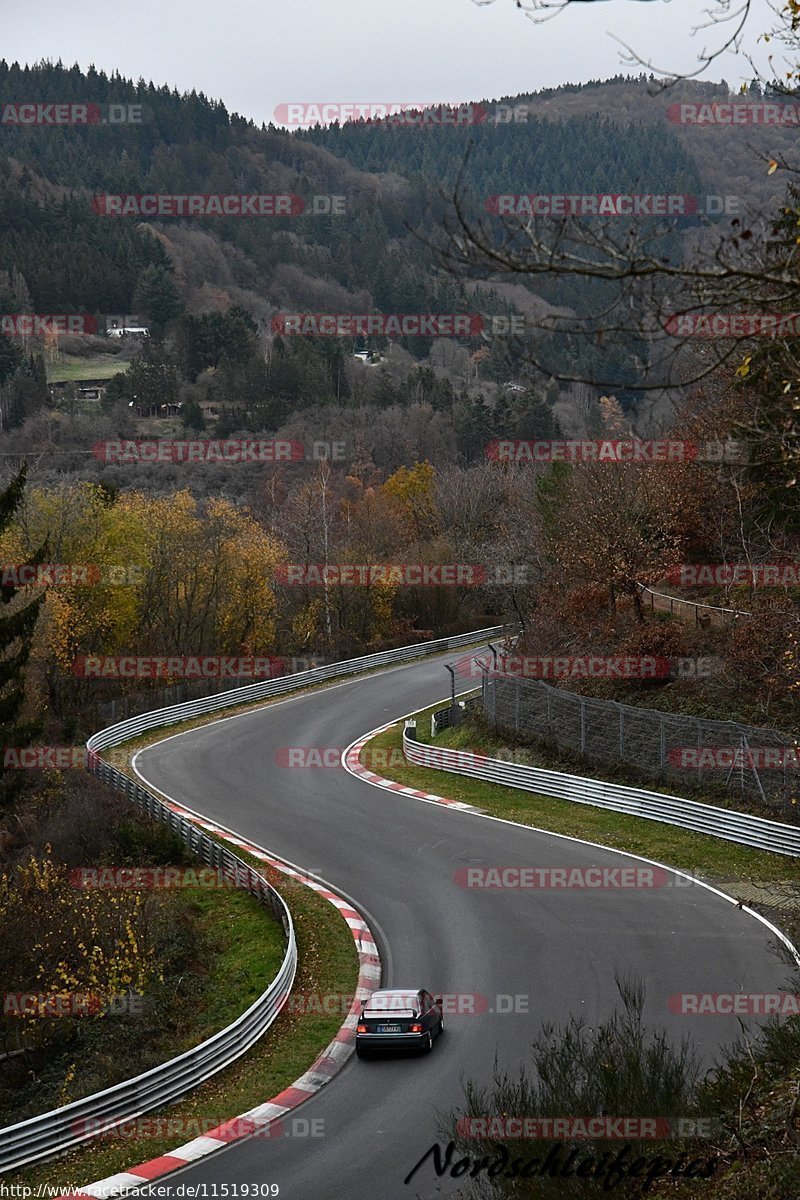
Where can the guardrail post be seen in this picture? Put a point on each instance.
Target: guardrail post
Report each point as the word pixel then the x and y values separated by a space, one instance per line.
pixel 447 667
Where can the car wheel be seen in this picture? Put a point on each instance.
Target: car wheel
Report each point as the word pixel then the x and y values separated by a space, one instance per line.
pixel 441 1024
pixel 428 1045
pixel 360 1052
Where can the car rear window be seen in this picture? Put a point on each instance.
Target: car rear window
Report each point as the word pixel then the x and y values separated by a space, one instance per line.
pixel 392 1004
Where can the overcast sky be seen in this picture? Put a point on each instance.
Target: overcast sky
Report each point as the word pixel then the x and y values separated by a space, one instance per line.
pixel 257 54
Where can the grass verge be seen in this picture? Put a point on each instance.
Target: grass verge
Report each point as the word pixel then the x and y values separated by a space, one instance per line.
pixel 328 963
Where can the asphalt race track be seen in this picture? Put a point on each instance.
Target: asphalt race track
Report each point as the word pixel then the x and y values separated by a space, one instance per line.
pixel 396 857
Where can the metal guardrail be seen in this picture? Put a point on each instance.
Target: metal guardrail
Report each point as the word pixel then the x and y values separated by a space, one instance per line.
pixel 131 728
pixel 52 1132
pixel 653 806
pixel 55 1131
pixel 670 603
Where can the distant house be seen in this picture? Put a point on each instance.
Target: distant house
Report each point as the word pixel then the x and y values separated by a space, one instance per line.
pixel 124 325
pixel 129 331
pixel 514 387
pixel 91 390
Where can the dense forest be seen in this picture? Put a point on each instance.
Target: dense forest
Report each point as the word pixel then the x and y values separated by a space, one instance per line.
pixel 394 188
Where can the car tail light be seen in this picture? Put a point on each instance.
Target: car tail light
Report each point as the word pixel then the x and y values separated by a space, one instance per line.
pixel 362 1029
pixel 415 1029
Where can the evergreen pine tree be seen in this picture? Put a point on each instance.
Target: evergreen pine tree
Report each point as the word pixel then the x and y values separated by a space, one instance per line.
pixel 17 623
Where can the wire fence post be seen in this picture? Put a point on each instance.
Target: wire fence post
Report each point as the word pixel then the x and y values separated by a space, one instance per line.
pixel 583 725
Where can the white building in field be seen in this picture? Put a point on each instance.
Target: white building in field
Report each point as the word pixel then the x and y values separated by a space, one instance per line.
pixel 127 325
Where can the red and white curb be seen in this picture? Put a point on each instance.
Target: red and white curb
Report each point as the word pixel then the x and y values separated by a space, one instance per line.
pixel 258 1120
pixel 351 761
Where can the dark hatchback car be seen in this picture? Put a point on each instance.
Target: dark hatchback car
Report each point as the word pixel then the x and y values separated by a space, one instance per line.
pixel 399 1019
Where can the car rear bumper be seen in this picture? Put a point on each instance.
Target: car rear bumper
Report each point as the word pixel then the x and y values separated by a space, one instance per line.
pixel 395 1041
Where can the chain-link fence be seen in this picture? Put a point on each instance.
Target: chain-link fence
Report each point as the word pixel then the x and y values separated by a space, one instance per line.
pixel 672 747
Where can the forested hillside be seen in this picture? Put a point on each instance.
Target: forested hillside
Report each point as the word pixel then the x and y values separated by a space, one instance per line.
pixel 393 185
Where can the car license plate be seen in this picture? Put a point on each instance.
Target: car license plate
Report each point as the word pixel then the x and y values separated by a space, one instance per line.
pixel 388 1029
